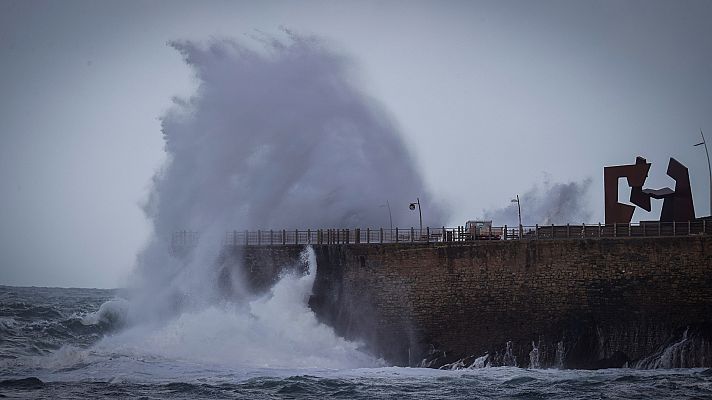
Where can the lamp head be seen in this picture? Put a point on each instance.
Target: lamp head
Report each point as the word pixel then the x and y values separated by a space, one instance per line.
pixel 412 206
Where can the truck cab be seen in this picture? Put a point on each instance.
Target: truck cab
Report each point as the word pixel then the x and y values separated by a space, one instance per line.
pixel 482 230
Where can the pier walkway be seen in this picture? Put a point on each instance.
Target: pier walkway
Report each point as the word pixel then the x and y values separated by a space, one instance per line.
pixel 451 234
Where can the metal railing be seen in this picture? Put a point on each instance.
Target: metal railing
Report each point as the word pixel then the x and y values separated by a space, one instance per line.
pixel 460 234
pixel 183 241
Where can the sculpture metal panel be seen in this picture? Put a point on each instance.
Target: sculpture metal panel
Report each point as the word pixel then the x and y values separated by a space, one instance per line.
pixel 635 174
pixel 677 204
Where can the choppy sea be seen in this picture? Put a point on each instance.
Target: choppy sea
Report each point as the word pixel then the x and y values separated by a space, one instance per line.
pixel 48 350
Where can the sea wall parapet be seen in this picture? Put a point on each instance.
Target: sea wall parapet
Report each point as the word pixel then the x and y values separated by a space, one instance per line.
pixel 579 303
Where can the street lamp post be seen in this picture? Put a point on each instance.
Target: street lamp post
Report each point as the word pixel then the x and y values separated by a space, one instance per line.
pixel 519 208
pixel 708 165
pixel 390 216
pixel 420 213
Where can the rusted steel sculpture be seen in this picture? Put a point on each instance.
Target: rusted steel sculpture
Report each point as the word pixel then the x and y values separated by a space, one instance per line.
pixel 635 175
pixel 677 204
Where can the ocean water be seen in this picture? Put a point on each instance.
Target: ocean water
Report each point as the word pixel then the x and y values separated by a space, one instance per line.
pixel 53 345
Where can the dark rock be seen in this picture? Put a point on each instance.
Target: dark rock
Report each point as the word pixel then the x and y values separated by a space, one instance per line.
pixel 616 360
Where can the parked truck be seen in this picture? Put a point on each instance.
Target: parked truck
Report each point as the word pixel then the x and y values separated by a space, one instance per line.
pixel 482 230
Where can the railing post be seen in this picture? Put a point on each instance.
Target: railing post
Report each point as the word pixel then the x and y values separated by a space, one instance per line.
pixel 396 235
pixel 553 232
pixel 308 236
pixel 381 235
pixel 284 237
pixel 296 236
pixel 505 232
pixel 368 235
pixel 427 234
pixel 599 230
pixel 674 229
pixel 630 231
pixel 615 230
pixel 259 237
pixel 536 227
pixel 568 231
pixel 357 235
pixel 704 226
pixel 444 234
pixel 583 230
pixel 412 233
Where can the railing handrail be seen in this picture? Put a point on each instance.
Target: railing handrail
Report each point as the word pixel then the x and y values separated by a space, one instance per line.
pixel 461 234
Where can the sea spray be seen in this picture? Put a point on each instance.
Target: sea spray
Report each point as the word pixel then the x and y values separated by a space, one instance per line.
pixel 277 136
pixel 276 330
pixel 549 203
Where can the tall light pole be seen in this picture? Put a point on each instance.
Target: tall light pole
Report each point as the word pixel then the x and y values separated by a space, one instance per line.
pixel 708 165
pixel 420 213
pixel 390 216
pixel 519 208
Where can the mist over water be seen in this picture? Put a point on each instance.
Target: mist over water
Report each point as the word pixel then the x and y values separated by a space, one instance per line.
pixel 548 203
pixel 275 330
pixel 276 136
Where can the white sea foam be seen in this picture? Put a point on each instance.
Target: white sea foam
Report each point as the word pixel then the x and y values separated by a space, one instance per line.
pixel 112 312
pixel 277 330
pixel 7 322
pixel 274 137
pixel 480 362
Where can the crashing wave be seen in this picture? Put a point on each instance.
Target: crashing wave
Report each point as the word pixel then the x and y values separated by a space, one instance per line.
pixel 112 313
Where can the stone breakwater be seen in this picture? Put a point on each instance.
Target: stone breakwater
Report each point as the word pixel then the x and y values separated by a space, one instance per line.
pixel 577 303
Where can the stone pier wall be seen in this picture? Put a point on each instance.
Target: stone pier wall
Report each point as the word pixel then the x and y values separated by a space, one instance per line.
pixel 576 303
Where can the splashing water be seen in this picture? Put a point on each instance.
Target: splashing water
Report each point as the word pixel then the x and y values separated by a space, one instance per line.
pixel 276 330
pixel 534 356
pixel 278 137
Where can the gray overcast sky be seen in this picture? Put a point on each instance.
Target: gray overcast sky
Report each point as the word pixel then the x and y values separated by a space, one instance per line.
pixel 493 98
